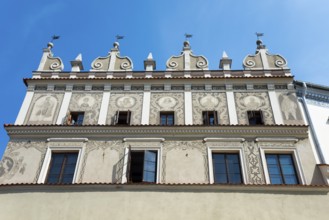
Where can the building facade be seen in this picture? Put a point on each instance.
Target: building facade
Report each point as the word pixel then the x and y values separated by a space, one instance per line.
pixel 165 144
pixel 314 101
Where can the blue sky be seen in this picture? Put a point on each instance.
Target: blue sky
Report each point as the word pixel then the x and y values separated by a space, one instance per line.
pixel 296 29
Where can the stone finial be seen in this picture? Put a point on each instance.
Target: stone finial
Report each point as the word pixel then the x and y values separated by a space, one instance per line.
pixel 225 63
pixel 149 63
pixel 112 62
pixel 263 60
pixel 187 60
pixel 48 62
pixel 77 64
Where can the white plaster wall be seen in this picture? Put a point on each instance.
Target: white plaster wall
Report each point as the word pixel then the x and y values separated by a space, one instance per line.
pixel 185 166
pixel 319 116
pixel 100 166
pixel 308 163
pixel 162 204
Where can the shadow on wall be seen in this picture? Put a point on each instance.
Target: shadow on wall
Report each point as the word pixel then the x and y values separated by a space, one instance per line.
pixel 117 172
pixel 317 178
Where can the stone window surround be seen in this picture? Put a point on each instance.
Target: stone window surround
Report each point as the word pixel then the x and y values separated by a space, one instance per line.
pixel 60 145
pixel 237 147
pixel 290 148
pixel 143 144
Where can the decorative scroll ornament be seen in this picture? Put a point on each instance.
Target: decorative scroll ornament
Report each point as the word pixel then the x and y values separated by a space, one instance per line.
pixel 249 63
pixel 187 61
pixel 126 66
pixel 280 62
pixel 53 63
pixel 262 59
pixel 112 62
pixel 202 64
pixel 172 64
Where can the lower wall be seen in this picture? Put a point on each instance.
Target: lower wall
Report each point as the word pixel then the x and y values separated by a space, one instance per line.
pixel 169 202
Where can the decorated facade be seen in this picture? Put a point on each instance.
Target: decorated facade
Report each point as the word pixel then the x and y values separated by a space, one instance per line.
pixel 179 143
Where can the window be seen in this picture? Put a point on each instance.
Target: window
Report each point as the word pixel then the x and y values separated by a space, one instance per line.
pixel 142 166
pixel 167 118
pixel 210 118
pixel 226 168
pixel 281 169
pixel 75 118
pixel 122 118
pixel 255 117
pixel 62 167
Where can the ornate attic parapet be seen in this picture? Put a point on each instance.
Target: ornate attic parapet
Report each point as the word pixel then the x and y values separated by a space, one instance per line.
pixel 187 61
pixel 48 62
pixel 112 62
pixel 264 60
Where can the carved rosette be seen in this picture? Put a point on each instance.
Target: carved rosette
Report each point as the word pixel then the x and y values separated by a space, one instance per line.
pixel 253 101
pixel 210 102
pixel 124 102
pixel 167 102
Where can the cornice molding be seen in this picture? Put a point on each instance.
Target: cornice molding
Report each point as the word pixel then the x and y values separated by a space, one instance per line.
pixel 227 131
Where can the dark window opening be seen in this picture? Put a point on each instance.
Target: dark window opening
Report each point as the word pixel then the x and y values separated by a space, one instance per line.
pixel 255 118
pixel 62 167
pixel 122 118
pixel 210 118
pixel 143 166
pixel 227 168
pixel 167 118
pixel 281 169
pixel 76 118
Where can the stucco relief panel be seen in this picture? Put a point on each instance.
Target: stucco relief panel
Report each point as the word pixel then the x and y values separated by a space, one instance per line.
pixel 89 104
pixel 184 162
pixel 291 113
pixel 21 162
pixel 44 108
pixel 167 102
pixel 132 102
pixel 253 101
pixel 254 164
pixel 210 102
pixel 102 162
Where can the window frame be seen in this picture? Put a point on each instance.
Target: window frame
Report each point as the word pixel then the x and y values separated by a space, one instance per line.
pixel 62 167
pixel 226 166
pixel 287 150
pixel 58 145
pixel 279 165
pixel 129 168
pixel 143 144
pixel 76 113
pixel 117 116
pixel 261 117
pixel 167 113
pixel 207 120
pixel 226 145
